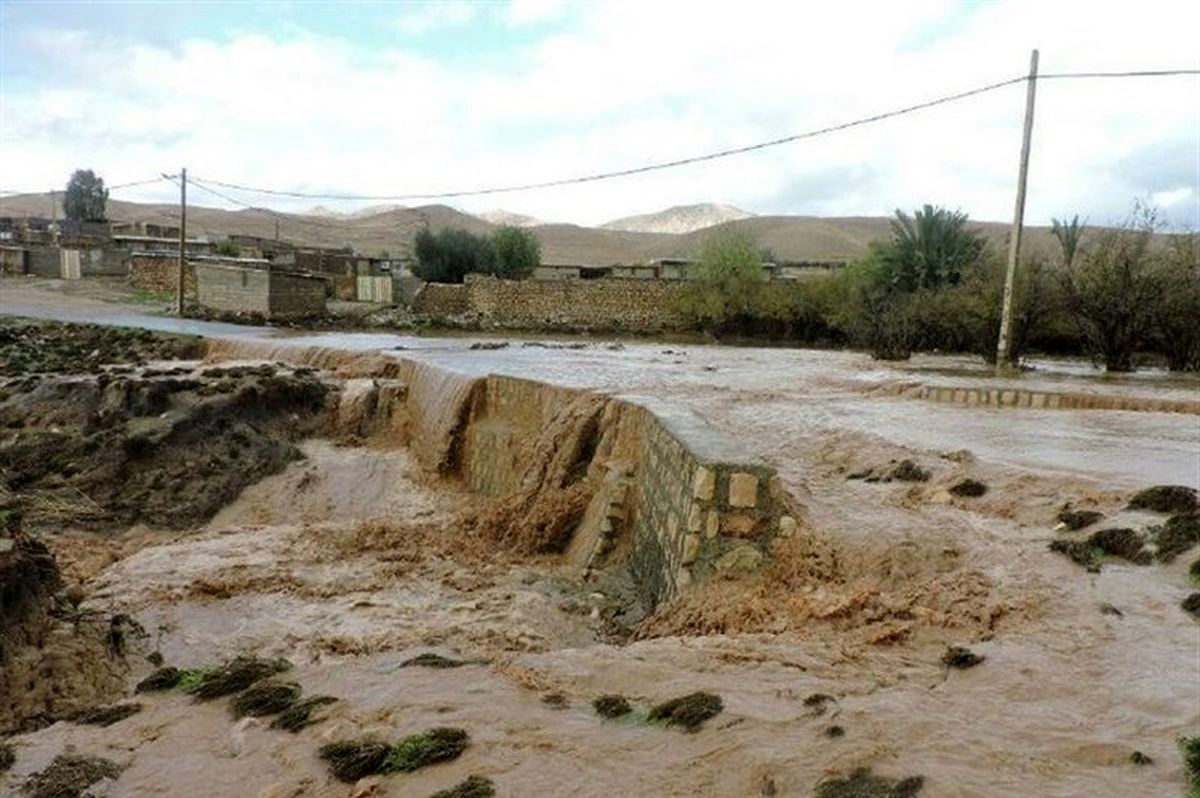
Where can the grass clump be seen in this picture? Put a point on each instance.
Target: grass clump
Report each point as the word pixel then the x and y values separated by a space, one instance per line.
pixel 862 783
pixel 961 658
pixel 233 677
pixel 105 716
pixel 689 711
pixel 817 702
pixel 162 679
pixel 1165 499
pixel 1078 519
pixel 266 698
pixel 431 660
pixel 351 760
pixel 1120 542
pixel 1190 748
pixel 1191 605
pixel 69 776
pixel 299 714
pixel 835 731
pixel 611 706
pixel 470 787
pixel 7 757
pixel 427 748
pixel 1194 571
pixel 908 471
pixel 1177 535
pixel 968 488
pixel 1138 758
pixel 1079 552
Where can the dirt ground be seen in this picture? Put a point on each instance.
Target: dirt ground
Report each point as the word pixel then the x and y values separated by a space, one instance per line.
pixel 349 560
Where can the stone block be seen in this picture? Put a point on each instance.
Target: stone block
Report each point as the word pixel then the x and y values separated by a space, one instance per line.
pixel 704 484
pixel 713 524
pixel 695 518
pixel 691 547
pixel 739 559
pixel 743 490
pixel 787 526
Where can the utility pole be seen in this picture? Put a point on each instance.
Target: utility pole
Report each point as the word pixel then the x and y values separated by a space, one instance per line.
pixel 1004 347
pixel 54 207
pixel 182 240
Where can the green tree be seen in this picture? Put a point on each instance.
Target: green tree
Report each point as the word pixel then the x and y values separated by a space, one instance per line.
pixel 1113 290
pixel 445 256
pixel 1177 317
pixel 726 281
pixel 931 248
pixel 85 197
pixel 1069 236
pixel 227 249
pixel 517 251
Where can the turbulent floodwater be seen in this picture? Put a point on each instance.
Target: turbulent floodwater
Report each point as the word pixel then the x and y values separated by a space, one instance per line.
pixel 330 564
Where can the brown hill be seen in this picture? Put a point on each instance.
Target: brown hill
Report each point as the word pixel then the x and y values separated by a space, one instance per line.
pixel 392 231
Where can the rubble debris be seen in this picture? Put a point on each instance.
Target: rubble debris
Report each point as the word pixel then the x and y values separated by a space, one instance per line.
pixel 689 711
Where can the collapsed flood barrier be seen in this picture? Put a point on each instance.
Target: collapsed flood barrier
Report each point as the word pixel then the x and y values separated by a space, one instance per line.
pixel 602 480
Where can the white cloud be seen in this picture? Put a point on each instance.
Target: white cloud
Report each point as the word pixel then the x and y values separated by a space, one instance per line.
pixel 527 12
pixel 630 83
pixel 423 17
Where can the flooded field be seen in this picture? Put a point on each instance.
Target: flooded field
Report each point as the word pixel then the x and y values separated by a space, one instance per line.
pixel 352 542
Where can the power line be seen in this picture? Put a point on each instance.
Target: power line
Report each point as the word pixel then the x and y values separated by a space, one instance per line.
pixel 198 184
pixel 707 156
pixel 117 187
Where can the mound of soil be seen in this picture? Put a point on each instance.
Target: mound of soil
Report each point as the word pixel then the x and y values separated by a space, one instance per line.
pixel 54 661
pixel 49 347
pixel 689 711
pixel 69 776
pixel 110 451
pixel 864 784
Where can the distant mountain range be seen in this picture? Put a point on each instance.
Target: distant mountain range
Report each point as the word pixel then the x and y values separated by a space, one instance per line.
pixel 679 219
pixel 391 229
pixel 500 217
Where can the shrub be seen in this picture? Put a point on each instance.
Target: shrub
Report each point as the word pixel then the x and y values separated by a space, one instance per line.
pixel 445 256
pixel 517 251
pixel 725 282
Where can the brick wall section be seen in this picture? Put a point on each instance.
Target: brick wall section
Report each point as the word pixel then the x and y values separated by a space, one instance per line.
pixel 246 290
pixel 295 295
pixel 158 274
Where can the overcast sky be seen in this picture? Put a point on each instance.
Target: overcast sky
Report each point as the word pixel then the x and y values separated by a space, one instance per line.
pixel 398 98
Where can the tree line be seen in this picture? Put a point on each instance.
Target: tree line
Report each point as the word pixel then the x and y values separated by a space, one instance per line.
pixel 1113 294
pixel 451 253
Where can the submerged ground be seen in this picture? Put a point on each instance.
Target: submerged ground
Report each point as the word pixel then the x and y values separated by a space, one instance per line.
pixel 341 555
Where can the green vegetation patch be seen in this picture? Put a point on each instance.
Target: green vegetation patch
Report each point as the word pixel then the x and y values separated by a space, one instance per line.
pixel 416 751
pixel 299 714
pixel 351 760
pixel 1190 748
pixel 968 488
pixel 689 711
pixel 1179 534
pixel 961 658
pixel 1165 499
pixel 1191 605
pixel 909 471
pixel 1079 552
pixel 233 677
pixel 1120 542
pixel 431 660
pixel 7 757
pixel 1194 571
pixel 162 679
pixel 1078 519
pixel 864 784
pixel 105 716
pixel 68 776
pixel 470 787
pixel 611 706
pixel 265 698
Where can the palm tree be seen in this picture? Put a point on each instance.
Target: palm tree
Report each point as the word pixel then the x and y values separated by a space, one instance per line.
pixel 1069 234
pixel 931 248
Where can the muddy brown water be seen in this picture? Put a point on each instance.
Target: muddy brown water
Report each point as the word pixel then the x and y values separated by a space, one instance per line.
pixel 1065 695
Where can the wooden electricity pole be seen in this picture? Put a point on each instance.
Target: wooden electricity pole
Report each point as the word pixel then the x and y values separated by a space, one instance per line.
pixel 182 241
pixel 1004 347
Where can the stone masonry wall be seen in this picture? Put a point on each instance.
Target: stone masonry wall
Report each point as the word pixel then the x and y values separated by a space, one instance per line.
pixel 158 274
pixel 607 304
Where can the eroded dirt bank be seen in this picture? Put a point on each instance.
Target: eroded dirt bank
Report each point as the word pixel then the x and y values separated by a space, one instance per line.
pixel 350 559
